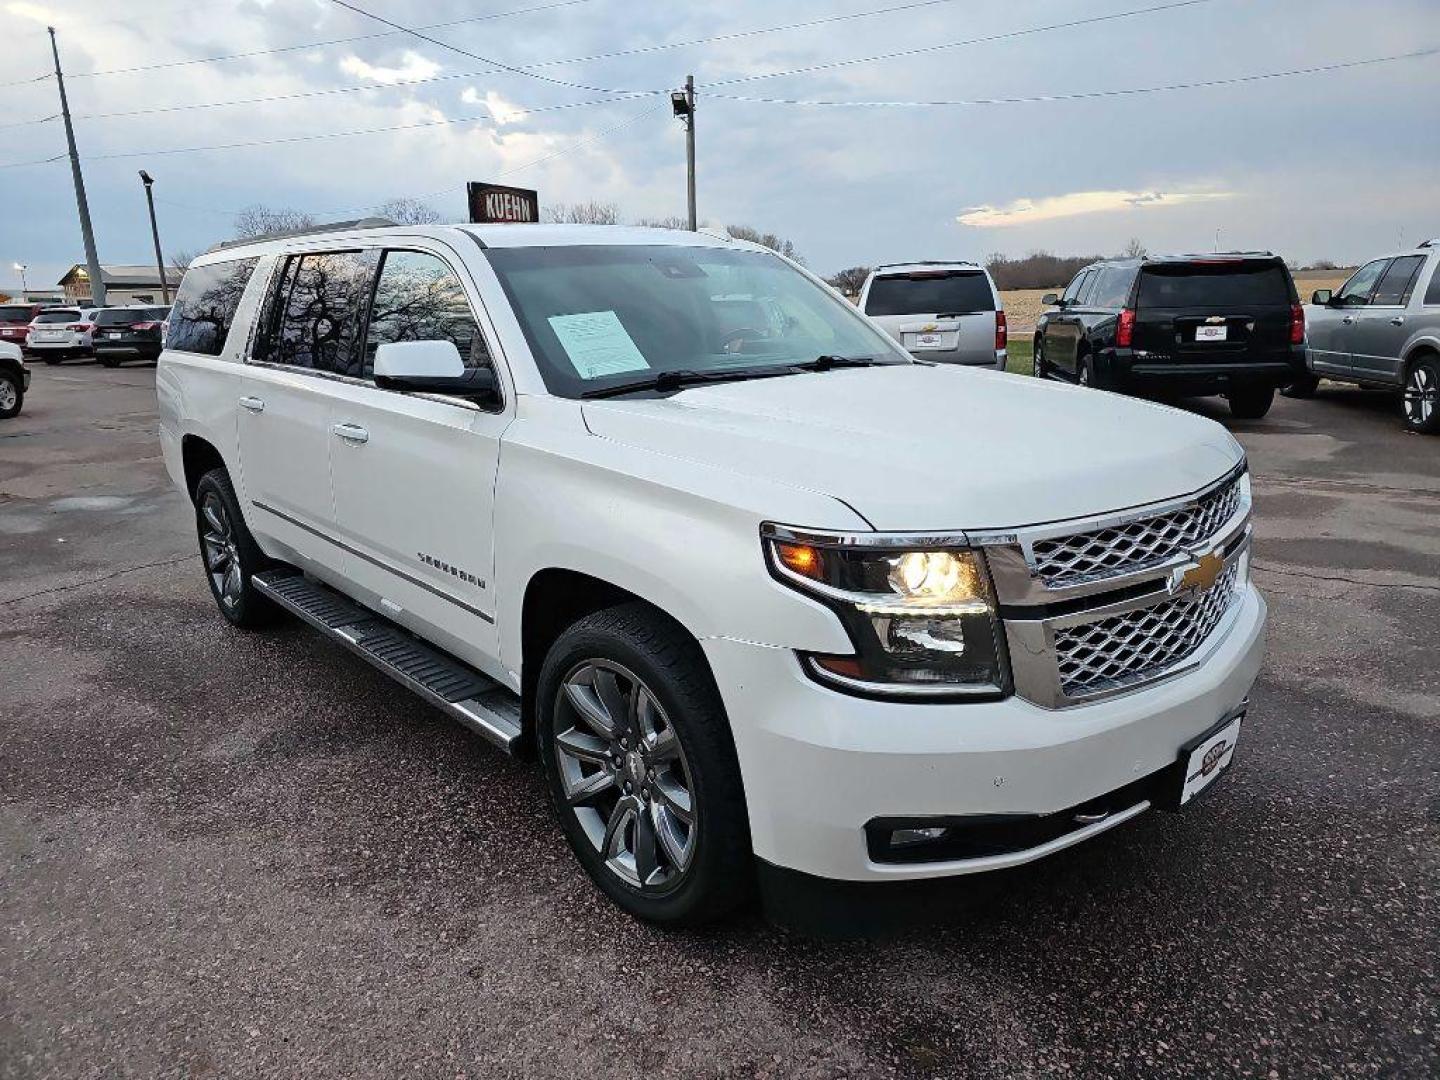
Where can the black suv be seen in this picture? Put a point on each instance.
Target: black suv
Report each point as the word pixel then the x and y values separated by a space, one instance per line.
pixel 1178 325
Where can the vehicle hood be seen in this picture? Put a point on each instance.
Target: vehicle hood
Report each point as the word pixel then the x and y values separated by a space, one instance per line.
pixel 918 447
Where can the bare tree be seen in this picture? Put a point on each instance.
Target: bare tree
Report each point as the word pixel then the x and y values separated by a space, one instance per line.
pixel 586 213
pixel 770 240
pixel 408 212
pixel 181 260
pixel 850 281
pixel 258 220
pixel 1134 249
pixel 671 222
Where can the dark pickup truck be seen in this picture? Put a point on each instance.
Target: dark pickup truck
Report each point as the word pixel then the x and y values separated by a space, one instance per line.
pixel 1178 325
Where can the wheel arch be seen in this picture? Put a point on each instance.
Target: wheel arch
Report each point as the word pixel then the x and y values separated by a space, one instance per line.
pixel 198 456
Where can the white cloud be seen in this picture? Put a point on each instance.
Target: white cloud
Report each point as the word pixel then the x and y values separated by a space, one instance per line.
pixel 1050 207
pixel 504 112
pixel 413 66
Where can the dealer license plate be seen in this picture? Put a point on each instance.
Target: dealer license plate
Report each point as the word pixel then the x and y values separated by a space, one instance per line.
pixel 113 334
pixel 1210 333
pixel 927 341
pixel 1208 758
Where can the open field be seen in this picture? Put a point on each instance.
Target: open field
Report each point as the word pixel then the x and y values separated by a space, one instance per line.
pixel 1023 306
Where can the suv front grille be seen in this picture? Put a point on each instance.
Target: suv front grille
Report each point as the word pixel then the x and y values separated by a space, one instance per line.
pixel 1138 645
pixel 1122 549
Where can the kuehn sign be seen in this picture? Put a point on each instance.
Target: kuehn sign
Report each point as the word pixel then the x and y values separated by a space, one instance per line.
pixel 491 203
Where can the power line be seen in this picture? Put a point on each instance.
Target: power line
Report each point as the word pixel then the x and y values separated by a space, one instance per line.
pixel 1090 94
pixel 1069 24
pixel 222 57
pixel 477 56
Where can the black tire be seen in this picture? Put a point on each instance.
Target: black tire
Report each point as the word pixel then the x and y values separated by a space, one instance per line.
pixel 14 388
pixel 638 640
pixel 1420 405
pixel 1252 401
pixel 1087 373
pixel 53 360
pixel 243 605
pixel 109 361
pixel 1303 387
pixel 1038 367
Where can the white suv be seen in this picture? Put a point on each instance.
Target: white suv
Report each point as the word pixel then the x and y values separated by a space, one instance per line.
pixel 768 597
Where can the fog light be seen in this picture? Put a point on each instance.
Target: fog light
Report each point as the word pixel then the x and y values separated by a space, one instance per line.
pixel 902 837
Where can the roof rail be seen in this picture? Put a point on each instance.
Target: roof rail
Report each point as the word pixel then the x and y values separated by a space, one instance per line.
pixel 1435 242
pixel 331 226
pixel 927 262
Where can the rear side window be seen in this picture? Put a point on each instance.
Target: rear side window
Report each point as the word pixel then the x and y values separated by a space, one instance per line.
pixel 57 317
pixel 944 292
pixel 1394 287
pixel 1432 294
pixel 1213 285
pixel 419 298
pixel 317 309
pixel 1113 288
pixel 205 306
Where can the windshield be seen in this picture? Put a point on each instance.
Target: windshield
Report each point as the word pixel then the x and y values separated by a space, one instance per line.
pixel 57 316
pixel 598 316
pixel 1210 285
pixel 930 292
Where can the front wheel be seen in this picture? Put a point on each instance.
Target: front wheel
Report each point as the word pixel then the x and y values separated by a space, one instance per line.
pixel 1037 358
pixel 1422 396
pixel 230 553
pixel 641 766
pixel 1251 402
pixel 12 395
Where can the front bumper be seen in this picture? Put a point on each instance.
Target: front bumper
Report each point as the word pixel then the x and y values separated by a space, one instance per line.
pixel 819 765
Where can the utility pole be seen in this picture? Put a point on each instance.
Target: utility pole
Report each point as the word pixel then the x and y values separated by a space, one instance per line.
pixel 149 182
pixel 92 260
pixel 682 102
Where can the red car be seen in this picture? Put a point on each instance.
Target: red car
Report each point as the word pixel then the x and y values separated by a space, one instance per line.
pixel 15 321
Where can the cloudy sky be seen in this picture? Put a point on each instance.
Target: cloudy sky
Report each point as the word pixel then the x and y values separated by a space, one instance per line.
pixel 1032 146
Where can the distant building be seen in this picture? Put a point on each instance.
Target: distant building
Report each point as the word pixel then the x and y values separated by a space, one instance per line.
pixel 123 284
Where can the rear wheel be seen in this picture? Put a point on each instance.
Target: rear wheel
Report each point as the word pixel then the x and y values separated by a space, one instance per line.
pixel 1302 387
pixel 1422 396
pixel 53 358
pixel 230 553
pixel 641 766
pixel 109 360
pixel 1251 401
pixel 12 395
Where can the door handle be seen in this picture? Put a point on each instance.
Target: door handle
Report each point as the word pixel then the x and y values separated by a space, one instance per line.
pixel 351 433
pixel 254 404
pixel 1398 320
pixel 1348 319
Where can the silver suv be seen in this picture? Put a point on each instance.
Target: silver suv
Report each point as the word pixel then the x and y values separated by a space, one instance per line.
pixel 946 312
pixel 1382 328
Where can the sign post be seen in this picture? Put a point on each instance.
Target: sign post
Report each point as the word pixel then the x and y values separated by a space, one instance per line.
pixel 495 203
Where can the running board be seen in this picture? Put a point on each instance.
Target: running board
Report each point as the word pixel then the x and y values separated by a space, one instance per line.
pixel 475 700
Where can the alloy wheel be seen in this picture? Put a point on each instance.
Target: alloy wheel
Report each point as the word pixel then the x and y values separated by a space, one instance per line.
pixel 1421 394
pixel 624 775
pixel 1037 361
pixel 221 551
pixel 8 395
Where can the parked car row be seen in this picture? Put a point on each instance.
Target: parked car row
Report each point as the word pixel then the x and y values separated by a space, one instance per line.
pixel 110 334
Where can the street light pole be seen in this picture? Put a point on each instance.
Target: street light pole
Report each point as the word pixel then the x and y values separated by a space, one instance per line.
pixel 92 260
pixel 24 285
pixel 149 182
pixel 682 103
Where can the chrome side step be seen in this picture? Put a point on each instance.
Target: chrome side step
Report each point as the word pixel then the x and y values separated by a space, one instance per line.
pixel 475 700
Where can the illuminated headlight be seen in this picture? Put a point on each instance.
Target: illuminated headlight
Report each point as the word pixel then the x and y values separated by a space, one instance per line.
pixel 920 613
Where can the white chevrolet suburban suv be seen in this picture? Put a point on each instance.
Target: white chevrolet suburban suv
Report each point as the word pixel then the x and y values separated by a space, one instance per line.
pixel 772 600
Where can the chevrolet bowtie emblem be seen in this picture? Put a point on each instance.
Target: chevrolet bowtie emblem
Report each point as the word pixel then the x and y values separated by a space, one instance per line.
pixel 1198 576
pixel 1215 319
pixel 929 328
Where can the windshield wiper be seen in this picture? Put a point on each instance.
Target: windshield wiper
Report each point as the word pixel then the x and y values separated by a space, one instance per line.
pixel 827 363
pixel 674 380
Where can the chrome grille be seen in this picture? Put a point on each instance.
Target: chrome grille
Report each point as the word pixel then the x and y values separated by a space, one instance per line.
pixel 1123 549
pixel 1137 645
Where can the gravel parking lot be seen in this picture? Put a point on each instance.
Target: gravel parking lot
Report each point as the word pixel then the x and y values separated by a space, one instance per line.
pixel 239 855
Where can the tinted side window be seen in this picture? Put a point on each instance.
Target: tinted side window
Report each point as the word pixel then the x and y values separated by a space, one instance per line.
pixel 317 309
pixel 419 298
pixel 1394 287
pixel 205 306
pixel 1073 289
pixel 1113 288
pixel 1357 290
pixel 1432 294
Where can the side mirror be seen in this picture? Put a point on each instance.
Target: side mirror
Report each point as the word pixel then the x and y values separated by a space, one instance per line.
pixel 1050 299
pixel 430 367
pixel 1321 297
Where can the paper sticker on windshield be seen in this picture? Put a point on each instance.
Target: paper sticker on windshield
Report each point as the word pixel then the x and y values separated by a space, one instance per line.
pixel 597 344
